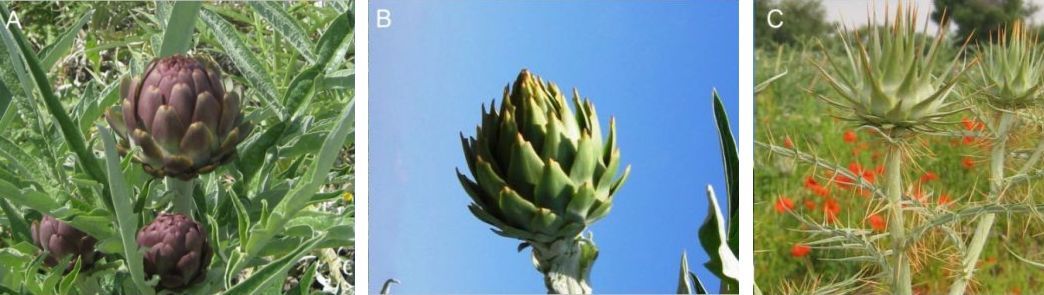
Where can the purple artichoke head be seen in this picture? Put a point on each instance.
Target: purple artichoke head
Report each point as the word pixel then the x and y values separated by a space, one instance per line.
pixel 180 115
pixel 176 249
pixel 60 239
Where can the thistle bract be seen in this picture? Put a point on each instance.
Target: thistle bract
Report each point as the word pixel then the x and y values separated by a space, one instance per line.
pixel 177 250
pixel 1011 70
pixel 60 240
pixel 542 173
pixel 889 82
pixel 180 115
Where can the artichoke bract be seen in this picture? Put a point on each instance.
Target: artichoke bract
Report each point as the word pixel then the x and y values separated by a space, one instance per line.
pixel 180 115
pixel 177 250
pixel 888 80
pixel 541 172
pixel 1012 71
pixel 61 239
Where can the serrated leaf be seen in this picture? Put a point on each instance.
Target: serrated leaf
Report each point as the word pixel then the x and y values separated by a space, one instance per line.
pixel 97 105
pixel 74 139
pixel 19 227
pixel 33 199
pixel 274 13
pixel 242 56
pixel 302 192
pixel 299 94
pixel 272 273
pixel 55 51
pixel 336 40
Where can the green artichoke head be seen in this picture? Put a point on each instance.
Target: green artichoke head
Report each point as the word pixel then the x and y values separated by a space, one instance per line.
pixel 888 78
pixel 541 172
pixel 180 115
pixel 60 240
pixel 1012 70
pixel 176 249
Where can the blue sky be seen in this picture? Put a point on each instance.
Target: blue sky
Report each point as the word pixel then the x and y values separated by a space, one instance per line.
pixel 652 65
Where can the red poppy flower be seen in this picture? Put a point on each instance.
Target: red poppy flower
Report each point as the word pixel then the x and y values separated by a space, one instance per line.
pixel 787 143
pixel 811 182
pixel 929 176
pixel 855 168
pixel 810 204
pixel 821 191
pixel 784 204
pixel 830 209
pixel 967 162
pixel 850 136
pixel 800 250
pixel 968 124
pixel 877 222
pixel 944 199
pixel 968 140
pixel 843 181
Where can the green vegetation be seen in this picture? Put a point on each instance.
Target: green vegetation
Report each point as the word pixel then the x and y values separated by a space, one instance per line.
pixel 822 218
pixel 262 209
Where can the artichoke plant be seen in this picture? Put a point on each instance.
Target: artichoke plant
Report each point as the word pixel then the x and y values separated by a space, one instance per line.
pixel 1012 71
pixel 180 115
pixel 888 78
pixel 543 174
pixel 176 249
pixel 59 239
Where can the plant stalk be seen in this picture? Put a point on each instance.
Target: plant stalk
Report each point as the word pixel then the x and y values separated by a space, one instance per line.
pixel 902 283
pixel 982 229
pixel 565 267
pixel 183 202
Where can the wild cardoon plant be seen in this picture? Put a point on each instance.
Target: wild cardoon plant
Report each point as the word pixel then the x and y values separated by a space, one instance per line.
pixel 1012 70
pixel 1012 76
pixel 890 84
pixel 543 174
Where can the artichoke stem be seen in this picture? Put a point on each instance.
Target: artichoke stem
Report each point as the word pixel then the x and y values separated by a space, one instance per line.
pixel 564 265
pixel 982 230
pixel 901 281
pixel 182 189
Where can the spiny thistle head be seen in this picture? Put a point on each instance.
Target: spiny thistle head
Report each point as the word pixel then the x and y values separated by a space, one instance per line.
pixel 542 173
pixel 888 78
pixel 1012 70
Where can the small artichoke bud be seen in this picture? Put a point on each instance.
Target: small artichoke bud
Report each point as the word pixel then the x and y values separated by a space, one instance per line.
pixel 541 172
pixel 180 115
pixel 60 239
pixel 176 249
